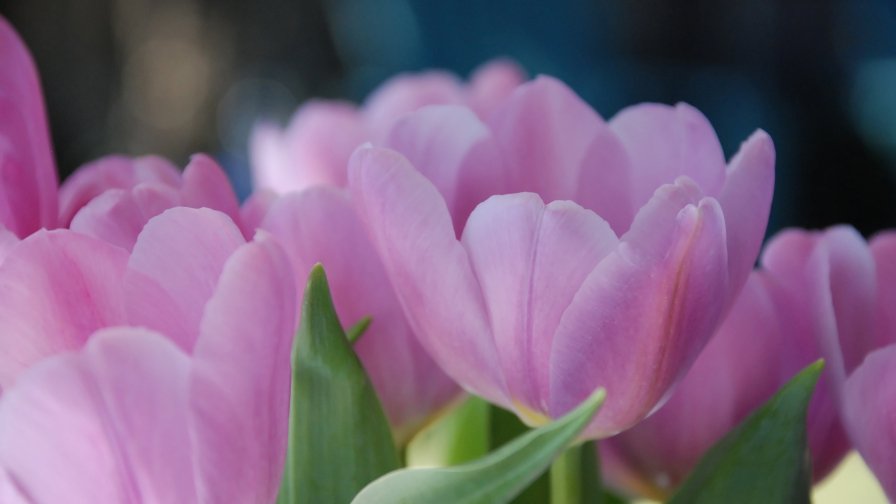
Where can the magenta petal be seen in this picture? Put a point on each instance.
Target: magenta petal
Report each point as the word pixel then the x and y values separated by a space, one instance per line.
pixel 107 425
pixel 883 248
pixel 530 260
pixel 410 227
pixel 205 185
pixel 111 172
pixel 56 288
pixel 665 143
pixel 320 225
pixel 456 152
pixel 544 131
pixel 870 406
pixel 240 391
pixel 746 199
pixel 28 195
pixel 645 312
pixel 174 269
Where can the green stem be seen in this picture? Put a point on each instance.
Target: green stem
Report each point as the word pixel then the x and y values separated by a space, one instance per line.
pixel 566 477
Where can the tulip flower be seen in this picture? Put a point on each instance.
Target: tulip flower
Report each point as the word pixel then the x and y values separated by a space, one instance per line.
pixel 315 147
pixel 209 364
pixel 869 395
pixel 613 270
pixel 811 298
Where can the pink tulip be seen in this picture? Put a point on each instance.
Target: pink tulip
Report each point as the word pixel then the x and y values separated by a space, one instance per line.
pixel 869 393
pixel 812 298
pixel 191 407
pixel 612 272
pixel 28 192
pixel 315 147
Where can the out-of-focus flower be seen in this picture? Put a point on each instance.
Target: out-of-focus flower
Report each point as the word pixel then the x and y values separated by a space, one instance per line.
pixel 870 391
pixel 28 192
pixel 315 147
pixel 190 407
pixel 812 298
pixel 617 281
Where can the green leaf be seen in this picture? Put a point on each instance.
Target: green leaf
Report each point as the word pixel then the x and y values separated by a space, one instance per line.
pixel 504 427
pixel 354 332
pixel 765 458
pixel 457 436
pixel 495 478
pixel 339 438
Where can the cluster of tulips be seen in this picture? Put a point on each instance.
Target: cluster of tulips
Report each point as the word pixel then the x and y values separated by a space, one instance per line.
pixel 495 237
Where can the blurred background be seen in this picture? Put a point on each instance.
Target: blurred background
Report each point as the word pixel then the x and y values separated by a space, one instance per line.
pixel 178 76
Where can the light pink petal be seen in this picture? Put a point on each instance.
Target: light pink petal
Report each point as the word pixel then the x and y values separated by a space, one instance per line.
pixel 746 199
pixel 28 195
pixel 56 288
pixel 314 149
pixel 240 390
pixel 319 225
pixel 107 425
pixel 491 84
pixel 645 312
pixel 724 386
pixel 457 153
pixel 8 241
pixel 117 216
pixel 868 414
pixel 410 227
pixel 544 131
pixel 406 93
pixel 205 185
pixel 111 172
pixel 10 490
pixel 254 210
pixel 605 181
pixel 530 260
pixel 883 248
pixel 174 269
pixel 664 143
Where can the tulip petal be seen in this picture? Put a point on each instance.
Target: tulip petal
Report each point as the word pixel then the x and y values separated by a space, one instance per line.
pixel 169 295
pixel 111 172
pixel 56 288
pixel 645 312
pixel 254 210
pixel 205 185
pixel 240 390
pixel 883 248
pixel 664 143
pixel 406 93
pixel 491 84
pixel 319 225
pixel 544 131
pixel 746 199
pixel 409 225
pixel 109 424
pixel 117 216
pixel 870 400
pixel 29 188
pixel 605 181
pixel 530 260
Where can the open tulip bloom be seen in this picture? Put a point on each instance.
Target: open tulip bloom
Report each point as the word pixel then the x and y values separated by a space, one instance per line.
pixel 495 236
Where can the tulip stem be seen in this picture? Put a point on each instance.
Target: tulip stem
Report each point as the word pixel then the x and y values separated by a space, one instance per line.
pixel 566 477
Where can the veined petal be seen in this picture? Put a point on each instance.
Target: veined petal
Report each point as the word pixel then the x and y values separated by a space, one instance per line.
pixel 107 425
pixel 239 394
pixel 530 260
pixel 645 311
pixel 56 288
pixel 409 225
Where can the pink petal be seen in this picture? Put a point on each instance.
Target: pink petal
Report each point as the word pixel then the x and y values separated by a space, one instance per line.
pixel 174 269
pixel 883 248
pixel 456 152
pixel 8 241
pixel 406 93
pixel 111 172
pixel 205 185
pixel 254 210
pixel 30 185
pixel 746 199
pixel 410 227
pixel 530 260
pixel 868 414
pixel 320 225
pixel 241 379
pixel 117 216
pixel 544 131
pixel 665 143
pixel 107 425
pixel 645 312
pixel 491 84
pixel 56 288
pixel 605 181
